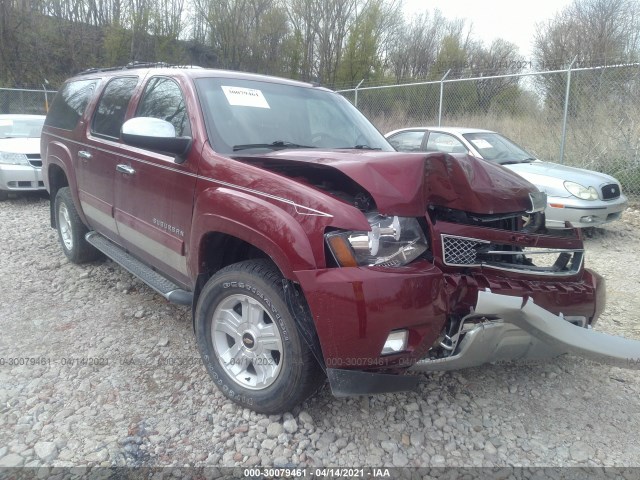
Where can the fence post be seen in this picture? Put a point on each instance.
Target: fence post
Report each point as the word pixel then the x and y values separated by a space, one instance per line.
pixel 46 97
pixel 566 110
pixel 356 96
pixel 441 92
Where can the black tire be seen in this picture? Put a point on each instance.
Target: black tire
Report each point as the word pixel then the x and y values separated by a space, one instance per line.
pixel 3 195
pixel 299 375
pixel 71 230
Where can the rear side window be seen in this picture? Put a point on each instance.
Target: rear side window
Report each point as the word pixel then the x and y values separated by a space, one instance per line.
pixel 112 108
pixel 163 99
pixel 407 141
pixel 69 104
pixel 443 142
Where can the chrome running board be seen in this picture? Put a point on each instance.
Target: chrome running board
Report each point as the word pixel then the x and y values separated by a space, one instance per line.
pixel 158 282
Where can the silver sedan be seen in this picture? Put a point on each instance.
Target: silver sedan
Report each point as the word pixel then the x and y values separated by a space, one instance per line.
pixel 583 198
pixel 20 163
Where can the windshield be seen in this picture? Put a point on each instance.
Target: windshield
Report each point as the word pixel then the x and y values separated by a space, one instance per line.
pixel 253 116
pixel 495 147
pixel 19 127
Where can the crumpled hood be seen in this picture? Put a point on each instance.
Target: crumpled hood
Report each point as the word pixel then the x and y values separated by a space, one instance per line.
pixel 467 183
pixel 405 183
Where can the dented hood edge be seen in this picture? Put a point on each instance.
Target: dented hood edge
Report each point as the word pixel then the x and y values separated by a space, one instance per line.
pixel 406 183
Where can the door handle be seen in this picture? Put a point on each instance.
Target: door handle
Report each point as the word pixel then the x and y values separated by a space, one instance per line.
pixel 85 155
pixel 126 169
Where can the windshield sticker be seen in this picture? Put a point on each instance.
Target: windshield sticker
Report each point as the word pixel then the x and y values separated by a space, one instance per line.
pixel 481 143
pixel 245 97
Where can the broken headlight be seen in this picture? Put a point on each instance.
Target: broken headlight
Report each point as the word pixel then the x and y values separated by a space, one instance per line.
pixel 392 242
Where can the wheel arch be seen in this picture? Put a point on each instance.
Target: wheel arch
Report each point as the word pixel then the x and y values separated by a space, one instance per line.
pixel 245 223
pixel 58 172
pixel 217 249
pixel 57 179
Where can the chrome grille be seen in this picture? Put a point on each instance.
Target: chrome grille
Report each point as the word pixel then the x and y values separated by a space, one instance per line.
pixel 460 251
pixel 610 191
pixel 472 252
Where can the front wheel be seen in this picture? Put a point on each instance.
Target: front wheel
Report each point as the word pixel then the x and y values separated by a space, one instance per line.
pixel 3 195
pixel 71 230
pixel 249 341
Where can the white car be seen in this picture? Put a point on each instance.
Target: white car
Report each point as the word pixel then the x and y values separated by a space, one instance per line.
pixel 583 198
pixel 20 163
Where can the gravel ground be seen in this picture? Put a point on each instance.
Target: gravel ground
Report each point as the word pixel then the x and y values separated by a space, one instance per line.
pixel 145 399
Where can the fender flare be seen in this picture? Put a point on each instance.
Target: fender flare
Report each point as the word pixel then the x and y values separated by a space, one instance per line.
pixel 69 172
pixel 256 221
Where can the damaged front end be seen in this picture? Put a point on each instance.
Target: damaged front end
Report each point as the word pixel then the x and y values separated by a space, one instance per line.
pixel 517 292
pixel 507 328
pixel 456 270
pixel 510 253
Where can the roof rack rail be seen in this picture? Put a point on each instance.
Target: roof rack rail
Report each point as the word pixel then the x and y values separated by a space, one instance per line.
pixel 134 65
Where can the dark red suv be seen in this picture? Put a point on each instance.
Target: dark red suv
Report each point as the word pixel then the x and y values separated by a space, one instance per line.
pixel 305 245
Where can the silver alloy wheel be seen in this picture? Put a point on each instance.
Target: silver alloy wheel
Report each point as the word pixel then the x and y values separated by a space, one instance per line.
pixel 65 226
pixel 247 342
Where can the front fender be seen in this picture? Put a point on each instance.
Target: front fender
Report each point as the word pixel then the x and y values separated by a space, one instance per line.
pixel 260 223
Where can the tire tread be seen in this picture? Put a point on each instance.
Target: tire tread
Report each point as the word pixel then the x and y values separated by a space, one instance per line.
pixel 313 377
pixel 82 251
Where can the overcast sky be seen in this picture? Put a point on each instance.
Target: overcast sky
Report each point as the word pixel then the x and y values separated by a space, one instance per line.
pixel 512 20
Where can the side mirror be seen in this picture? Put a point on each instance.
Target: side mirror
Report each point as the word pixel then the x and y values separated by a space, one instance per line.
pixel 154 134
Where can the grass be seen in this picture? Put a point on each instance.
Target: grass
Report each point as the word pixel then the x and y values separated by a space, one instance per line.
pixel 602 140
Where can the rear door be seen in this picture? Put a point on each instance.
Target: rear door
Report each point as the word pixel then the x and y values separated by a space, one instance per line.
pixel 64 130
pixel 98 157
pixel 444 142
pixel 154 191
pixel 407 141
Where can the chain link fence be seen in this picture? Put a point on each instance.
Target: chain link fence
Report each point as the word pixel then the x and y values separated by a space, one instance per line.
pixel 585 117
pixel 33 102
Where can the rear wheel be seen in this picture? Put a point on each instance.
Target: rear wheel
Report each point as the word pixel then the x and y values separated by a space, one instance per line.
pixel 249 341
pixel 71 230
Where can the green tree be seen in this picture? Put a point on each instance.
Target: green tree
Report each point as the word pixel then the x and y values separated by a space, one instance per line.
pixel 322 26
pixel 361 58
pixel 500 58
pixel 117 42
pixel 459 97
pixel 597 32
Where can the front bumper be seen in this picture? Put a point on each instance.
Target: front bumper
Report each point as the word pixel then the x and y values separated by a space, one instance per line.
pixel 582 213
pixel 355 309
pixel 509 328
pixel 20 178
pixel 515 328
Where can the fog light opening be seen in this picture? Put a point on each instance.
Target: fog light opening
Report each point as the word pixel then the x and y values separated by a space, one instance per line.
pixel 396 342
pixel 588 219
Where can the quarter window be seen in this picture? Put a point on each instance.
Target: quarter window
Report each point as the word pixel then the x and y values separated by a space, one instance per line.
pixel 163 99
pixel 443 142
pixel 70 103
pixel 112 108
pixel 407 141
